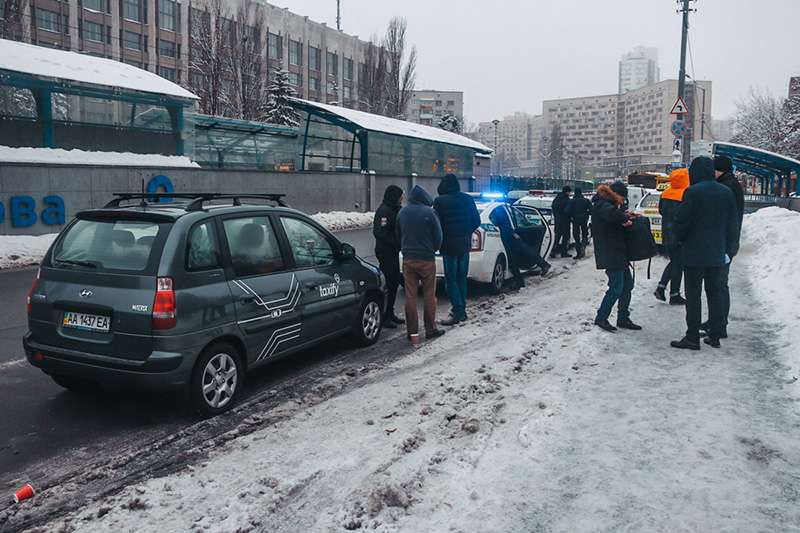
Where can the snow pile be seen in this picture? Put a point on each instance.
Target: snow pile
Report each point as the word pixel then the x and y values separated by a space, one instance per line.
pixel 23 250
pixel 771 252
pixel 343 220
pixel 9 154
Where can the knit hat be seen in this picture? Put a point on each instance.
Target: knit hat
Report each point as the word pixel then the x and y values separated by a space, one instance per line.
pixel 723 163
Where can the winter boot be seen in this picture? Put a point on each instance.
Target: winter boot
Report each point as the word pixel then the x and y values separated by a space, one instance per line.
pixel 435 333
pixel 685 344
pixel 676 299
pixel 627 323
pixel 388 324
pixel 711 341
pixel 660 294
pixel 605 325
pixel 545 269
pixel 450 321
pixel 397 320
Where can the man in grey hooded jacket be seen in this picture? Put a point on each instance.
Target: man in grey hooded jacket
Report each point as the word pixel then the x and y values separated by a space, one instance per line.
pixel 420 237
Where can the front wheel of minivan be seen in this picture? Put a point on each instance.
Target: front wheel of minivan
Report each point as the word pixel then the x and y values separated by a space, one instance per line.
pixel 217 379
pixel 370 321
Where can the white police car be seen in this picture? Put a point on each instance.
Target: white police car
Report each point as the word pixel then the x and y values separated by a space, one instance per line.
pixel 488 260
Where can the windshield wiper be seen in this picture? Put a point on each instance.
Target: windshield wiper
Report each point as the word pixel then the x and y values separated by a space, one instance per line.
pixel 76 262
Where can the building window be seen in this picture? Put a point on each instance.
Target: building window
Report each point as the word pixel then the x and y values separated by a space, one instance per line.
pixel 95 5
pixel 48 20
pixel 451 103
pixel 313 84
pixel 295 52
pixel 314 58
pixel 167 15
pixel 333 64
pixel 169 73
pixel 131 11
pixel 295 79
pixel 167 48
pixel 92 31
pixel 131 40
pixel 275 47
pixel 346 93
pixel 348 68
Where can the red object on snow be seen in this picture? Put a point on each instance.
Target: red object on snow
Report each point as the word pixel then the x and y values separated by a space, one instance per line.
pixel 24 493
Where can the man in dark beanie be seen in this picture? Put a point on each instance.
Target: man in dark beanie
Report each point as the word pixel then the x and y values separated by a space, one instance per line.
pixel 706 225
pixel 387 249
pixel 561 222
pixel 723 167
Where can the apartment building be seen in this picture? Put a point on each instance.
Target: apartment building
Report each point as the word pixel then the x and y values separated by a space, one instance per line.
pixel 638 68
pixel 794 86
pixel 518 137
pixel 588 125
pixel 428 106
pixel 323 62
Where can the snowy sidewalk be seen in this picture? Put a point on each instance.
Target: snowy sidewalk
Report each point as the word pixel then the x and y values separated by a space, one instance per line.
pixel 526 419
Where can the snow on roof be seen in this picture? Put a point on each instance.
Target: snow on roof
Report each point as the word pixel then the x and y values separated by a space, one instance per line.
pixel 759 150
pixel 393 126
pixel 72 66
pixel 58 156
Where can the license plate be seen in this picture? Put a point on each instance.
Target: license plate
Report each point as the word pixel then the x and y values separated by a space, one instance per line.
pixel 86 322
pixel 655 221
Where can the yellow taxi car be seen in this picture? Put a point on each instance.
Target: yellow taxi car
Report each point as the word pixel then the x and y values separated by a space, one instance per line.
pixel 648 207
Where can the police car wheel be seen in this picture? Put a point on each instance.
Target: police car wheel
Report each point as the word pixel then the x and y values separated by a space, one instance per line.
pixel 217 379
pixel 498 275
pixel 370 321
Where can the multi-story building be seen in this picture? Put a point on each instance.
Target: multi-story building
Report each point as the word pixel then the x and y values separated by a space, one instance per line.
pixel 638 68
pixel 516 139
pixel 428 106
pixel 323 63
pixel 588 126
pixel 794 86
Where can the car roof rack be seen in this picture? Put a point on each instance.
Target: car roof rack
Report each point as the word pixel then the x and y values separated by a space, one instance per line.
pixel 196 200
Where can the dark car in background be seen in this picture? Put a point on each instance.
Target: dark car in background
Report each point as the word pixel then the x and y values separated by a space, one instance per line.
pixel 193 293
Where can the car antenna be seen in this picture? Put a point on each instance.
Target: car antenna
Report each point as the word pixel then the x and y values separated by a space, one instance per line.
pixel 143 202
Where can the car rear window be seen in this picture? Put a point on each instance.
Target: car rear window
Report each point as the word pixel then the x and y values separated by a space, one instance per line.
pixel 118 245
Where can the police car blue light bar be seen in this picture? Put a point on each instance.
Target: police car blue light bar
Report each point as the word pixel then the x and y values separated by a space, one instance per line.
pixel 493 195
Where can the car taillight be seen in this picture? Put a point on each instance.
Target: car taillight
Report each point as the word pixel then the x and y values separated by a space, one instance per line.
pixel 477 242
pixel 164 305
pixel 33 289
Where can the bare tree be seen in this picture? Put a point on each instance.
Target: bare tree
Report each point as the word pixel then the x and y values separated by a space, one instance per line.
pixel 372 80
pixel 247 68
pixel 758 121
pixel 402 68
pixel 209 56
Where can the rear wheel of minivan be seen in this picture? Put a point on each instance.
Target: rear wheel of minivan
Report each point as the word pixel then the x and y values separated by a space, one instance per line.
pixel 370 321
pixel 217 379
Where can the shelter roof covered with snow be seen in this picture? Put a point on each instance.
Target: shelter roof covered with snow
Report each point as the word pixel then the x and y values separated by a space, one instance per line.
pixel 392 126
pixel 63 66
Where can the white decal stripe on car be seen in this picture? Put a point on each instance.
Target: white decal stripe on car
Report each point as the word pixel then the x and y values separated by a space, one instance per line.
pixel 293 285
pixel 278 337
pixel 285 308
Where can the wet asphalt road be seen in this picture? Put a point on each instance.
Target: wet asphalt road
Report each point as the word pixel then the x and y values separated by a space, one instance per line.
pixel 40 421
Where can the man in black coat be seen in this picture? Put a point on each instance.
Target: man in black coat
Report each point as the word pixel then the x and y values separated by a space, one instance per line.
pixel 723 169
pixel 579 210
pixel 707 226
pixel 561 222
pixel 609 220
pixel 459 218
pixel 520 253
pixel 387 249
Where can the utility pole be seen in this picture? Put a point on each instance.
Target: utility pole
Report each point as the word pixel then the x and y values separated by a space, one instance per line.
pixel 684 10
pixel 339 15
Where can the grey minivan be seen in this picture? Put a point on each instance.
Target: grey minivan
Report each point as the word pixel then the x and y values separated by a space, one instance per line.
pixel 193 293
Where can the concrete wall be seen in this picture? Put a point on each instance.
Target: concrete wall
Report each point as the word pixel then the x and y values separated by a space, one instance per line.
pixel 84 187
pixel 788 203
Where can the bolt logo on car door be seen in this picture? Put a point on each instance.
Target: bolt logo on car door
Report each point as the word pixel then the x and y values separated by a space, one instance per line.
pixel 86 293
pixel 275 308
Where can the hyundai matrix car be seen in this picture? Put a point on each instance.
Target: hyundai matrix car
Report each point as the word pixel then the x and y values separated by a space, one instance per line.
pixel 488 260
pixel 193 294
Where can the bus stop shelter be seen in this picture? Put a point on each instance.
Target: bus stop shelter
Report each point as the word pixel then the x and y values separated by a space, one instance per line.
pixel 776 174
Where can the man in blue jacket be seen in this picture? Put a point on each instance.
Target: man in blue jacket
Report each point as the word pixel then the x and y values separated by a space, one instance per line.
pixel 707 226
pixel 420 236
pixel 459 218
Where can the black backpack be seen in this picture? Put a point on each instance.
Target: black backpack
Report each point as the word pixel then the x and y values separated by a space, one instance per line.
pixel 639 242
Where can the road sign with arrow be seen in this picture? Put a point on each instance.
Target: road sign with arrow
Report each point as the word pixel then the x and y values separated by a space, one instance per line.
pixel 679 108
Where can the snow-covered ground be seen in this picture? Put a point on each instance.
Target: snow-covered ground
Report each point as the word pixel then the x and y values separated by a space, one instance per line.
pixel 526 418
pixel 23 250
pixel 59 156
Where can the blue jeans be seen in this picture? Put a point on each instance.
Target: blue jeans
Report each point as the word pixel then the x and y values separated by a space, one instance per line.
pixel 620 286
pixel 456 268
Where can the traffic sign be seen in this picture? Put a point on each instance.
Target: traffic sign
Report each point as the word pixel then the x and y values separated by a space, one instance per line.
pixel 679 108
pixel 678 128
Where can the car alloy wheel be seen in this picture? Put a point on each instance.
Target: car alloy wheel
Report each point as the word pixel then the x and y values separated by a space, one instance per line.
pixel 219 380
pixel 498 275
pixel 371 320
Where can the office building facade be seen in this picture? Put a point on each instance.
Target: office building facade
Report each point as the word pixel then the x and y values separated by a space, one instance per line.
pixel 428 106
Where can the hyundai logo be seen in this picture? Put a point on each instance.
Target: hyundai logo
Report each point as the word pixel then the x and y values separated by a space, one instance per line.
pixel 86 293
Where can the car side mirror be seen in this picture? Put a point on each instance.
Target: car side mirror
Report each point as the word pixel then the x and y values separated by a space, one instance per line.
pixel 347 251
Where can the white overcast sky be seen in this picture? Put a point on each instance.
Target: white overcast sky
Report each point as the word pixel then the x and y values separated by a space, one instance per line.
pixel 509 55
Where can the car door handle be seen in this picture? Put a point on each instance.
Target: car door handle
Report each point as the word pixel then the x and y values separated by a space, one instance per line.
pixel 247 299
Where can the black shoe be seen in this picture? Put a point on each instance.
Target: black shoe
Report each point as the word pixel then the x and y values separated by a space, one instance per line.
pixel 685 344
pixel 628 324
pixel 705 326
pixel 450 321
pixel 660 294
pixel 711 341
pixel 564 256
pixel 435 333
pixel 388 324
pixel 605 325
pixel 677 300
pixel 544 270
pixel 724 334
pixel 397 320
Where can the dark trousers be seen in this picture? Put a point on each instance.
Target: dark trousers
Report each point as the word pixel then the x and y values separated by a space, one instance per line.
pixel 695 278
pixel 580 233
pixel 524 256
pixel 620 287
pixel 673 273
pixel 390 266
pixel 725 297
pixel 561 245
pixel 456 270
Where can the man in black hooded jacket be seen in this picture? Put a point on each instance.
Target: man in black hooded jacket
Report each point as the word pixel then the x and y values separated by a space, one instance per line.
pixel 561 222
pixel 579 210
pixel 387 249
